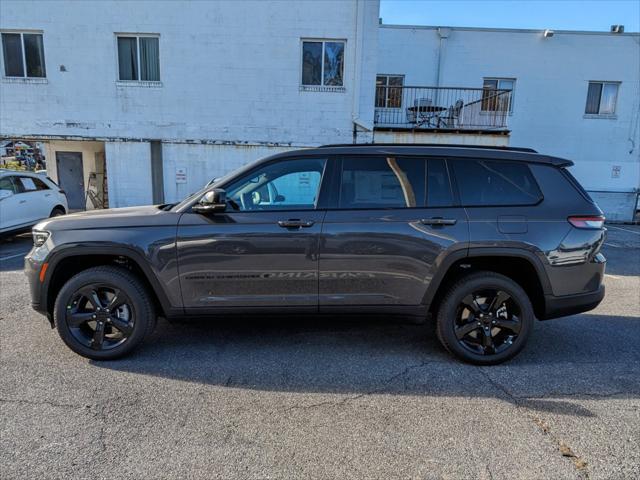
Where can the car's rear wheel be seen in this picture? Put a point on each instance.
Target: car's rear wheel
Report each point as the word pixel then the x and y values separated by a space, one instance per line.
pixel 56 212
pixel 103 313
pixel 485 318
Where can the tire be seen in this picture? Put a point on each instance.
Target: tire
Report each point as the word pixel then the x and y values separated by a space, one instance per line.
pixel 486 330
pixel 122 328
pixel 56 212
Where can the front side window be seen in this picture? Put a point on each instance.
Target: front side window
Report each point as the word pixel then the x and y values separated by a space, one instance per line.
pixel 497 94
pixel 139 58
pixel 23 55
pixel 382 182
pixel 6 184
pixel 323 63
pixel 389 91
pixel 488 182
pixel 284 185
pixel 602 98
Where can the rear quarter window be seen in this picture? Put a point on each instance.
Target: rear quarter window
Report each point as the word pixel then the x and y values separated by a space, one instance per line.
pixel 495 183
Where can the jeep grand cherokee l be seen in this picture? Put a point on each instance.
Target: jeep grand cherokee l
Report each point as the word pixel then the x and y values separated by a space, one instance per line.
pixel 484 239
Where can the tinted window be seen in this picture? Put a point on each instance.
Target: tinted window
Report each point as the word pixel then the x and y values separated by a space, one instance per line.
pixel 40 185
pixel 486 182
pixel 28 184
pixel 7 184
pixel 379 182
pixel 438 185
pixel 284 185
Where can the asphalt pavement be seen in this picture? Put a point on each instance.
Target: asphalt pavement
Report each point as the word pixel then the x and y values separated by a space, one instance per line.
pixel 324 397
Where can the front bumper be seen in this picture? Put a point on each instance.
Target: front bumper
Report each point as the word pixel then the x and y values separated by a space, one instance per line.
pixel 571 304
pixel 32 269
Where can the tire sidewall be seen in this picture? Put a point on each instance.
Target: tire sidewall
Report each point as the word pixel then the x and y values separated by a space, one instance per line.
pixel 448 310
pixel 111 278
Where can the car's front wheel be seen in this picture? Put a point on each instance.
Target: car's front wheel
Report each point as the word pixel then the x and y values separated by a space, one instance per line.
pixel 103 313
pixel 485 318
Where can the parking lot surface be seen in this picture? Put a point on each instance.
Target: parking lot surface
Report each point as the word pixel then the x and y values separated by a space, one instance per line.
pixel 324 397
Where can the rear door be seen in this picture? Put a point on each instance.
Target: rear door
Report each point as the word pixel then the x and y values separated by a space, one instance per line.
pixel 71 178
pixel 394 219
pixel 263 250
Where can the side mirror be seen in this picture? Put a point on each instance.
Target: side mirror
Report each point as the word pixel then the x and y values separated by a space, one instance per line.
pixel 5 194
pixel 213 201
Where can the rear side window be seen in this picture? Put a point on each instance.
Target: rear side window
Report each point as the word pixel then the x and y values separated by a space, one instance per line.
pixel 29 184
pixel 382 182
pixel 438 185
pixel 487 182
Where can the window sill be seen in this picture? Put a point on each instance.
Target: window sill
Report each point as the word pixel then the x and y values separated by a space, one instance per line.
pixel 26 80
pixel 604 116
pixel 138 83
pixel 321 88
pixel 495 112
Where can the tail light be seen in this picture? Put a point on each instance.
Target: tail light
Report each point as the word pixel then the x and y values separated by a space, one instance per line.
pixel 592 221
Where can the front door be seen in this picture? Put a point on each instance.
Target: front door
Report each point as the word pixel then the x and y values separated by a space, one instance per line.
pixel 395 220
pixel 71 178
pixel 263 250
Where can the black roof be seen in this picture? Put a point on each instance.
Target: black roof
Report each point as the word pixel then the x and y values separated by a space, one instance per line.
pixel 460 151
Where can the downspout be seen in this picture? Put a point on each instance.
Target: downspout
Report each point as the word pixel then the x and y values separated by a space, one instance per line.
pixel 357 72
pixel 443 34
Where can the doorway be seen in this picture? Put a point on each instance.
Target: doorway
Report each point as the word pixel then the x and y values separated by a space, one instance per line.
pixel 71 178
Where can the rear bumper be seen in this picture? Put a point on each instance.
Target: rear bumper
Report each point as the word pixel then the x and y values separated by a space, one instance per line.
pixel 571 304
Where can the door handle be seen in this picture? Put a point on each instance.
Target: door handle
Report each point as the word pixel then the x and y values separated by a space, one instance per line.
pixel 295 223
pixel 438 221
pixel 22 201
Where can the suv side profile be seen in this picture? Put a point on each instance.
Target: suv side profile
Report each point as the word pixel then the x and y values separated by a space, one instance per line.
pixel 485 240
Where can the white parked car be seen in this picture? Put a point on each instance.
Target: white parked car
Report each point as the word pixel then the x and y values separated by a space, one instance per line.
pixel 26 198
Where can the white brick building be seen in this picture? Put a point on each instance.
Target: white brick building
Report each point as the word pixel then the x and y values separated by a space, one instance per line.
pixel 229 88
pixel 153 99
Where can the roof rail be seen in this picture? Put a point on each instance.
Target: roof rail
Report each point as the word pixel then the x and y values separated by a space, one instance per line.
pixel 445 145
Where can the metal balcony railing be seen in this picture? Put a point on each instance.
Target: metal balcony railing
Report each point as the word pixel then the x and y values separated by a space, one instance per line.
pixel 442 108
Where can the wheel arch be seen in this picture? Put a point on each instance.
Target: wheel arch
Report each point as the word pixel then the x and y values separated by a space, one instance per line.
pixel 523 266
pixel 65 264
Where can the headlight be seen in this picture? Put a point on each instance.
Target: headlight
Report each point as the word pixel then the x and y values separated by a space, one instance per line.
pixel 39 237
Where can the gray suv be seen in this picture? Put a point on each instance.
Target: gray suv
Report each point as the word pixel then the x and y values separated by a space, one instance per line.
pixel 484 240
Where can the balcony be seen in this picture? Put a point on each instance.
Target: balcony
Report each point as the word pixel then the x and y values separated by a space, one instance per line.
pixel 442 109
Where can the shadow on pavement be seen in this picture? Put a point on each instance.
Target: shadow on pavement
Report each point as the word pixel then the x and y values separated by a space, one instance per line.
pixel 579 357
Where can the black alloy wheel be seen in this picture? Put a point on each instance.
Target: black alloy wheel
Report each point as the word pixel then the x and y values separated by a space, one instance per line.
pixel 485 318
pixel 487 321
pixel 104 312
pixel 100 316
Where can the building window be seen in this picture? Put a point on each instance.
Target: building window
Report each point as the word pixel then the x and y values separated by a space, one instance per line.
pixel 497 94
pixel 601 98
pixel 23 55
pixel 139 58
pixel 389 91
pixel 323 63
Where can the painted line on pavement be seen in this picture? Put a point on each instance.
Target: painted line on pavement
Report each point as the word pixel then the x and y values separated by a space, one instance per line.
pixel 624 229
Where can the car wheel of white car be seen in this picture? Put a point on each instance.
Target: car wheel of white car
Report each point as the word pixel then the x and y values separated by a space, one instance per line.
pixel 56 212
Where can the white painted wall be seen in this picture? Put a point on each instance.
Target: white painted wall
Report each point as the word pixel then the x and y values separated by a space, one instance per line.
pixel 128 173
pixel 230 70
pixel 552 76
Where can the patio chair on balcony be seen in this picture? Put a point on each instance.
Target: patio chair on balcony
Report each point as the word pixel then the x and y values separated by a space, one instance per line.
pixel 419 105
pixel 450 118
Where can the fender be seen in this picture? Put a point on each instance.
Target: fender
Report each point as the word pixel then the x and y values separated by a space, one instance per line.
pixel 518 252
pixel 94 248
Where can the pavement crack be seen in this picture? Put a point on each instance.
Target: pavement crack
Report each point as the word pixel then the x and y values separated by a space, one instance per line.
pixel 352 398
pixel 44 402
pixel 520 403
